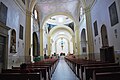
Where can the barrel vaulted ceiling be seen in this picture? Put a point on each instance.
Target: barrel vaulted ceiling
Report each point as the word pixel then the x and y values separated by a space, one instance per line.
pixel 48 7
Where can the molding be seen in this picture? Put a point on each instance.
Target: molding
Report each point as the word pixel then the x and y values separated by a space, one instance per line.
pixel 4 29
pixel 93 4
pixel 22 7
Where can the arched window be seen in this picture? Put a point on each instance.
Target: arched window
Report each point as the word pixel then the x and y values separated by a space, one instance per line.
pixel 13 42
pixel 81 11
pixel 35 14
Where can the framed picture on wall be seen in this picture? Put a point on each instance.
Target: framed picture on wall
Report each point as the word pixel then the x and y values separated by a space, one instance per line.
pixel 113 14
pixel 21 32
pixel 3 13
pixel 95 28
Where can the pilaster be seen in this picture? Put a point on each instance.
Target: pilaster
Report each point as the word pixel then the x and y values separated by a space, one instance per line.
pixel 89 33
pixel 49 45
pixel 41 42
pixel 28 37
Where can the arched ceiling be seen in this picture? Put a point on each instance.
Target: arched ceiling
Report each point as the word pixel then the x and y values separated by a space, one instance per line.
pixel 48 7
pixel 60 28
pixel 59 20
pixel 61 34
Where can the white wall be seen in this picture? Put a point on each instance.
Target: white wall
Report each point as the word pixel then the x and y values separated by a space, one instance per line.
pixel 100 12
pixel 15 17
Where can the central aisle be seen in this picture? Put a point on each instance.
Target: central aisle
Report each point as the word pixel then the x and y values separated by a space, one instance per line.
pixel 63 71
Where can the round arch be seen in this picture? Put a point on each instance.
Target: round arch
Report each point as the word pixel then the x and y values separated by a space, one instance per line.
pixel 104 36
pixel 66 49
pixel 35 44
pixel 58 13
pixel 56 28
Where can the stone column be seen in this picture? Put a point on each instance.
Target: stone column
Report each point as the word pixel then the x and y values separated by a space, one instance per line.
pixel 28 37
pixel 41 43
pixel 73 40
pixel 68 47
pixel 55 47
pixel 77 41
pixel 49 45
pixel 89 33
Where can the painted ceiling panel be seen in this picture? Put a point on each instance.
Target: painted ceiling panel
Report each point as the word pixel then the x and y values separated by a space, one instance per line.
pixel 48 7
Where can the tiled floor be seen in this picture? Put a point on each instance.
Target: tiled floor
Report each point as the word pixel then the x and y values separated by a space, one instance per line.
pixel 63 72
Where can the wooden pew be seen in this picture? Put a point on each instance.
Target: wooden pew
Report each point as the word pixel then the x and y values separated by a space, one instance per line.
pixel 83 74
pixel 76 64
pixel 43 71
pixel 51 63
pixel 79 65
pixel 90 71
pixel 107 76
pixel 20 76
pixel 48 64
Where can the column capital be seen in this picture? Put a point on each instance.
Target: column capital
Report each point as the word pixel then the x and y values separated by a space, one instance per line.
pixel 88 5
pixel 29 13
pixel 77 28
pixel 41 29
pixel 48 36
pixel 87 9
pixel 73 35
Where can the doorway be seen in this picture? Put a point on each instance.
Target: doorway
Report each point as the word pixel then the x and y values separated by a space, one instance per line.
pixel 35 45
pixel 2 50
pixel 104 36
pixel 106 52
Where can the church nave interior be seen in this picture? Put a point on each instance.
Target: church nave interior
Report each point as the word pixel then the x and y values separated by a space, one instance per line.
pixel 59 39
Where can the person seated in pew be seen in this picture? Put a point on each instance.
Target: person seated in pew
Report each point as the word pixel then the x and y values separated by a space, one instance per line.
pixel 45 56
pixel 23 66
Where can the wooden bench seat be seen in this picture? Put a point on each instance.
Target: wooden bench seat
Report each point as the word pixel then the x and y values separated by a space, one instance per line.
pixel 20 76
pixel 89 71
pixel 107 76
pixel 79 65
pixel 43 70
pixel 48 64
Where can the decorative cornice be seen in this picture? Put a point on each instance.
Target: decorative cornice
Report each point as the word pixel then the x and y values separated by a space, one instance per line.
pixel 4 26
pixel 19 4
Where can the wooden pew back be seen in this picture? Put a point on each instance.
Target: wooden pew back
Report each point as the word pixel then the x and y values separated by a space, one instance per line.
pixel 89 73
pixel 20 76
pixel 107 76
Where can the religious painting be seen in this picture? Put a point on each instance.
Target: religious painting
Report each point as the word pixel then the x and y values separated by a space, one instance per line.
pixel 95 28
pixel 21 32
pixel 13 42
pixel 3 13
pixel 113 14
